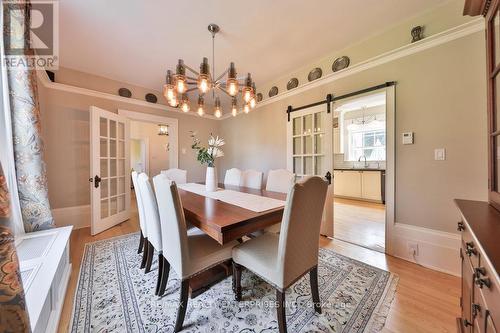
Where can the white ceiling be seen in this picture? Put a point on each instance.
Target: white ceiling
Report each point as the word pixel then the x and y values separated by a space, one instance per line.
pixel 136 41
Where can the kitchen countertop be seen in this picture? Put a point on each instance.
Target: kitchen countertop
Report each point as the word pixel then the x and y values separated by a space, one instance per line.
pixel 357 169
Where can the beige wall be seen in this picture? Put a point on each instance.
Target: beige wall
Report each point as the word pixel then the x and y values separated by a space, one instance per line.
pixel 157 153
pixel 440 95
pixel 65 129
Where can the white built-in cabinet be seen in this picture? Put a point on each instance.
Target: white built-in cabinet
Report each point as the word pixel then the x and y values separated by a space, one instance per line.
pixel 365 185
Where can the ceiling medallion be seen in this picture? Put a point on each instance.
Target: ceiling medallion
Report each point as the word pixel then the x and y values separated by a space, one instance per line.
pixel 341 63
pixel 293 83
pixel 178 85
pixel 315 74
pixel 273 91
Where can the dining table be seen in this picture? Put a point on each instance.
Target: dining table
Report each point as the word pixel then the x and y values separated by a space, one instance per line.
pixel 225 222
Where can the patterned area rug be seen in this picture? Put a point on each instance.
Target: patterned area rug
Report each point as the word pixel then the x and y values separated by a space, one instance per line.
pixel 114 295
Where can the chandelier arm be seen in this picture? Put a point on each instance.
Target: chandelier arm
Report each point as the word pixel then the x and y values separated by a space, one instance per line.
pixel 191 89
pixel 225 92
pixel 192 83
pixel 192 78
pixel 222 75
pixel 191 70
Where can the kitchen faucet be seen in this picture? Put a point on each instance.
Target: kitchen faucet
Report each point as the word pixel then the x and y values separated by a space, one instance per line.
pixel 366 163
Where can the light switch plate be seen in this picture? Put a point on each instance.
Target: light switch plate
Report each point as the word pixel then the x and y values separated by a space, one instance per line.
pixel 408 138
pixel 439 154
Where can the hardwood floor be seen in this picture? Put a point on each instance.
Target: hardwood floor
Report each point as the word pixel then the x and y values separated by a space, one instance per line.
pixel 425 301
pixel 360 222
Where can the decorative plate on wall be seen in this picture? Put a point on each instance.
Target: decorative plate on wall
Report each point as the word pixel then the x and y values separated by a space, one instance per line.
pixel 340 63
pixel 124 92
pixel 315 74
pixel 293 83
pixel 151 98
pixel 273 91
pixel 259 97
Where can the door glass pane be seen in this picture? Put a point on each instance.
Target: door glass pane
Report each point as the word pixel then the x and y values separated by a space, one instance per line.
pixel 297 145
pixel 297 165
pixel 297 126
pixel 318 144
pixel 103 125
pixel 308 165
pixel 104 208
pixel 104 148
pixel 112 187
pixel 113 206
pixel 121 149
pixel 112 148
pixel 308 124
pixel 308 149
pixel 112 167
pixel 121 203
pixel 497 102
pixel 496 163
pixel 104 167
pixel 121 185
pixel 104 188
pixel 318 165
pixel 317 122
pixel 112 129
pixel 121 167
pixel 121 131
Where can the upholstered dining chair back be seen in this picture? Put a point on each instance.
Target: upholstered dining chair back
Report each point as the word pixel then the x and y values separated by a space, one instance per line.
pixel 251 179
pixel 232 177
pixel 138 199
pixel 299 236
pixel 179 176
pixel 173 222
pixel 150 211
pixel 279 180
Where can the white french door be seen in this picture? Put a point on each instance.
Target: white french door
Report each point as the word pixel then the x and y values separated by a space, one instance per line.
pixel 109 167
pixel 309 151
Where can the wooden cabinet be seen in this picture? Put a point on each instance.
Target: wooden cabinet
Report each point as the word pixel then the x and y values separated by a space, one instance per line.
pixel 358 184
pixel 480 255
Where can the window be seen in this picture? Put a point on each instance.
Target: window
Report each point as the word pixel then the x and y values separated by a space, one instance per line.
pixel 366 139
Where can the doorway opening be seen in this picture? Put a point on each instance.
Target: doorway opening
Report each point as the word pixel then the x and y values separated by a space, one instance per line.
pixel 359 164
pixel 149 150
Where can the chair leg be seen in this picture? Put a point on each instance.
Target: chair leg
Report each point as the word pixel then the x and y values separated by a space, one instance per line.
pixel 280 298
pixel 141 243
pixel 149 260
pixel 237 281
pixel 160 271
pixel 145 252
pixel 313 277
pixel 182 305
pixel 164 276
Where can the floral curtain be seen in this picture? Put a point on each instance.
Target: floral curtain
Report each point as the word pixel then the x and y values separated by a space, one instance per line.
pixel 14 315
pixel 25 115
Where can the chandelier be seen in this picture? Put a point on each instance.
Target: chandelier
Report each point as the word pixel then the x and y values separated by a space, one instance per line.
pixel 180 84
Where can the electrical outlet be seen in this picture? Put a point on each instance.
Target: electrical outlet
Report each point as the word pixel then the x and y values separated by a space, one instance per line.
pixel 413 249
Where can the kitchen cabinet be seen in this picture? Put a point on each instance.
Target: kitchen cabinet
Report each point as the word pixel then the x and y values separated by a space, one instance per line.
pixel 358 184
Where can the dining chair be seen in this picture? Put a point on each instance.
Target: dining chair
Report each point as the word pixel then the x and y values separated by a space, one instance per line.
pixel 177 175
pixel 153 225
pixel 282 259
pixel 251 179
pixel 232 177
pixel 187 254
pixel 143 241
pixel 279 180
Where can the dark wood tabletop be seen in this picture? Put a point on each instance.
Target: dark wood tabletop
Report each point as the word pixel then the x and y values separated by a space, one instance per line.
pixel 225 222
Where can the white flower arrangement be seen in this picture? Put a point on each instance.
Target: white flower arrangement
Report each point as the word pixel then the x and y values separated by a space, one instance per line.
pixel 207 155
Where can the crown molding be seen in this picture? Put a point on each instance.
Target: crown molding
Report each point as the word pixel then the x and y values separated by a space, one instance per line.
pixel 44 79
pixel 443 37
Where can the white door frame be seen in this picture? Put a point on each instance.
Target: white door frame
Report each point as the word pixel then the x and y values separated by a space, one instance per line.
pixel 173 131
pixel 390 168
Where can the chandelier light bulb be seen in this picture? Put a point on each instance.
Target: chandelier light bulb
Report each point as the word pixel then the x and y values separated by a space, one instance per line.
pixel 181 85
pixel 203 84
pixel 218 111
pixel 201 103
pixel 247 94
pixel 185 104
pixel 246 108
pixel 234 111
pixel 201 112
pixel 253 103
pixel 232 82
pixel 173 102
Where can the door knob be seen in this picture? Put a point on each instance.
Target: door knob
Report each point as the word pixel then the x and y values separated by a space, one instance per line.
pixel 97 181
pixel 328 177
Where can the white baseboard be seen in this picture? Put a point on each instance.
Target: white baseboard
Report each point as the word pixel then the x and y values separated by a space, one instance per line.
pixel 77 216
pixel 437 250
pixel 53 324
